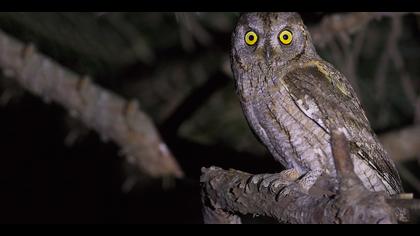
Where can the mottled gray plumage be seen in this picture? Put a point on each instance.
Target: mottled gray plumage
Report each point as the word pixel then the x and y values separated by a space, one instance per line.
pixel 292 99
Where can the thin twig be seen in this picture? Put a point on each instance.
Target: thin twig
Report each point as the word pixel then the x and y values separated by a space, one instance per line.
pixel 345 24
pixel 331 26
pixel 407 84
pixel 352 58
pixel 193 102
pixel 383 64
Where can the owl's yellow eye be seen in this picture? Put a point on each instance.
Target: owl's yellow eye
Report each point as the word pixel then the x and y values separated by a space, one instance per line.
pixel 251 38
pixel 286 37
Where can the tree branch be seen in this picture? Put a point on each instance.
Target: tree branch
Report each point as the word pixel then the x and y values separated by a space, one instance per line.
pixel 345 24
pixel 403 144
pixel 109 114
pixel 226 193
pixel 193 102
pixel 339 24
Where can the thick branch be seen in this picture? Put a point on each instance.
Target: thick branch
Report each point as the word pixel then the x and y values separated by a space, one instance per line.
pixel 233 191
pixel 283 198
pixel 107 113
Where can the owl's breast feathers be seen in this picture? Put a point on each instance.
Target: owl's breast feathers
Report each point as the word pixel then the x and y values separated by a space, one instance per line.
pixel 318 84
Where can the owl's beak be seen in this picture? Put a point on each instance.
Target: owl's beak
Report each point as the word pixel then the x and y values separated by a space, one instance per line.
pixel 267 54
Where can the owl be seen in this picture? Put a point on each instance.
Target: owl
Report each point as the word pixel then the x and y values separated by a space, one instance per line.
pixel 293 99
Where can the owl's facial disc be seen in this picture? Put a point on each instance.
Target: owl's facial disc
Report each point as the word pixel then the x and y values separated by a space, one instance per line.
pixel 268 38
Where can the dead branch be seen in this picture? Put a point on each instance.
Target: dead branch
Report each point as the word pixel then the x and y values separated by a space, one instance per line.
pixel 109 114
pixel 227 193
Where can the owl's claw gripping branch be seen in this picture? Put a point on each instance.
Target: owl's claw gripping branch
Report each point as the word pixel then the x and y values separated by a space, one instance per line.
pixel 228 193
pixel 109 114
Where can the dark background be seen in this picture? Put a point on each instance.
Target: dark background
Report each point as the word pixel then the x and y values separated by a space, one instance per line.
pixel 55 170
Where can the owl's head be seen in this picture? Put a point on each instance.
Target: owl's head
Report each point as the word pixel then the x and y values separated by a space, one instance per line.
pixel 270 39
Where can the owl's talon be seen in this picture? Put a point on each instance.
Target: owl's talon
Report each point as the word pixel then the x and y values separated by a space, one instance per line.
pixel 309 179
pixel 271 180
pixel 291 174
pixel 275 181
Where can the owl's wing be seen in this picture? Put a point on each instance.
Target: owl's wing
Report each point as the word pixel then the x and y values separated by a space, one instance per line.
pixel 337 106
